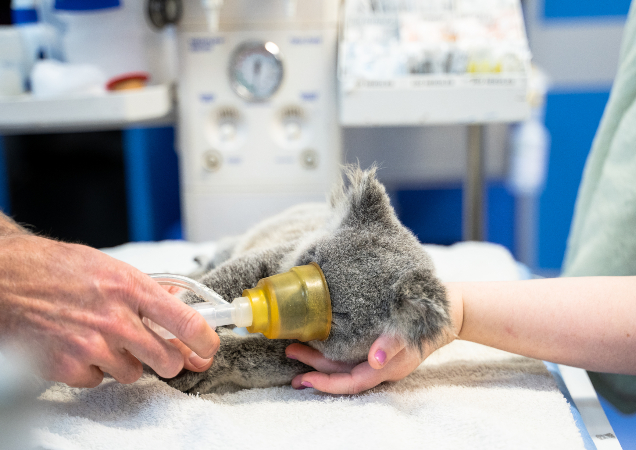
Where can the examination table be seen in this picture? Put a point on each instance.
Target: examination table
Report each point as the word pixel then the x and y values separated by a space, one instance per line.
pixel 464 396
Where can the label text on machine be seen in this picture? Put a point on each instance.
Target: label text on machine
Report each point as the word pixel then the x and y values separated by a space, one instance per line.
pixel 205 44
pixel 305 40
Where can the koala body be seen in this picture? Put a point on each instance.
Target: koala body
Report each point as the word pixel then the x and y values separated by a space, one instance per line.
pixel 380 281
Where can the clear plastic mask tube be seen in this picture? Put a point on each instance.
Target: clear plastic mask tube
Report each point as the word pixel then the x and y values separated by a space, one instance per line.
pixel 215 310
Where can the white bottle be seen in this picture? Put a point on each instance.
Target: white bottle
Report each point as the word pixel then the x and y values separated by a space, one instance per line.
pixel 117 39
pixel 12 62
pixel 40 40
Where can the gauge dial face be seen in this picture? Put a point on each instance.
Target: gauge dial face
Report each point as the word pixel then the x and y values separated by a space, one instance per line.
pixel 256 70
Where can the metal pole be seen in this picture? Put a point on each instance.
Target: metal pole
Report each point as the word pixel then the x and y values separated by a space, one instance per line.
pixel 473 201
pixel 526 214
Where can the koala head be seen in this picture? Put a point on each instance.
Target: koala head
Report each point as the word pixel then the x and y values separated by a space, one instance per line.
pixel 380 278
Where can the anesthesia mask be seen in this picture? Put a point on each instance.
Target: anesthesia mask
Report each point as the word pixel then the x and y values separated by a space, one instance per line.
pixel 290 305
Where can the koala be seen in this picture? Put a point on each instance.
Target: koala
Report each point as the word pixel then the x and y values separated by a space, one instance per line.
pixel 380 280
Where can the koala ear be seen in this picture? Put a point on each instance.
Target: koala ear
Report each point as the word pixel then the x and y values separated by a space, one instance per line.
pixel 364 201
pixel 421 312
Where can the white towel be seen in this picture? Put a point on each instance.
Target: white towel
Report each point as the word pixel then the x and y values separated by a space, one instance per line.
pixel 464 396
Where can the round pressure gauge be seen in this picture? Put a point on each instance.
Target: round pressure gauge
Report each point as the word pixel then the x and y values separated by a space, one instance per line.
pixel 256 70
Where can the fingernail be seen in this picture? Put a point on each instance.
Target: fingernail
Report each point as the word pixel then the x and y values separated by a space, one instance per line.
pixel 300 388
pixel 380 356
pixel 197 361
pixel 291 357
pixel 307 384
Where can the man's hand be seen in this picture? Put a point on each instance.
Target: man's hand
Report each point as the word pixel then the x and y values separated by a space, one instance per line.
pixel 78 312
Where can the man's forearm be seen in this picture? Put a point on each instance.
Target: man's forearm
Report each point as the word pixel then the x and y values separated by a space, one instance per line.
pixel 588 322
pixel 9 227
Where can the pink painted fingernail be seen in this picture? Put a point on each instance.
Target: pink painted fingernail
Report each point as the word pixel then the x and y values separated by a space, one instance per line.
pixel 307 384
pixel 291 357
pixel 300 388
pixel 380 356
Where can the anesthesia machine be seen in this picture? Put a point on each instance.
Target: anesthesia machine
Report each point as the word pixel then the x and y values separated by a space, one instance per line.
pixel 258 123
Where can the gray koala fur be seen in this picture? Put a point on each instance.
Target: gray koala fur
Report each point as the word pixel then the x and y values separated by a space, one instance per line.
pixel 380 281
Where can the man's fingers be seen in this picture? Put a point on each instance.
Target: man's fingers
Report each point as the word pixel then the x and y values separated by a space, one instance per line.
pixel 92 378
pixel 122 366
pixel 158 353
pixel 76 374
pixel 363 377
pixel 192 361
pixel 180 319
pixel 170 289
pixel 315 359
pixel 384 349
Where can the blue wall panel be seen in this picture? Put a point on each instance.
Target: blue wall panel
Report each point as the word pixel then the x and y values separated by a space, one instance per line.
pixel 152 179
pixel 555 9
pixel 572 120
pixel 435 215
pixel 500 218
